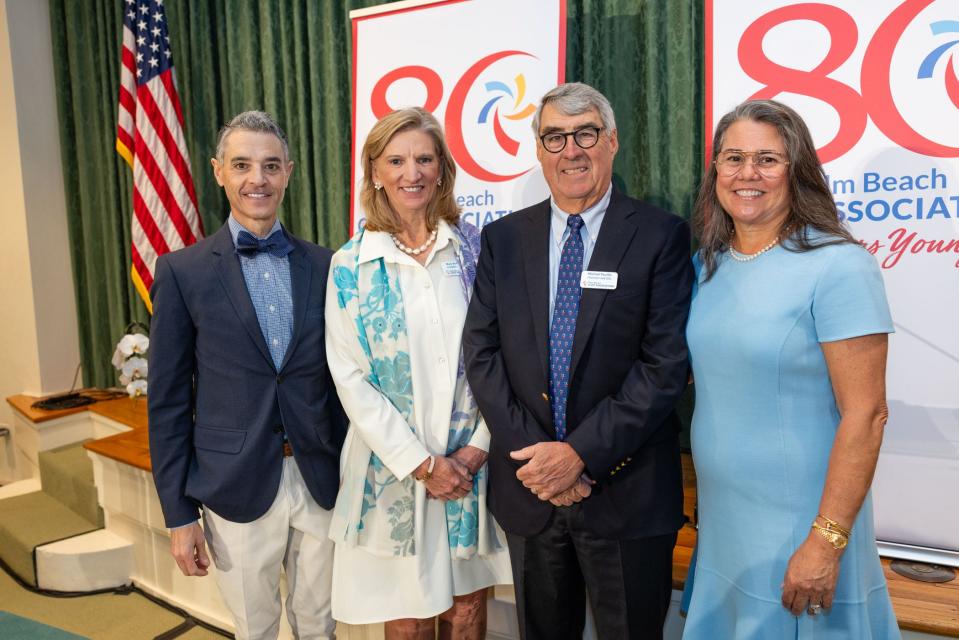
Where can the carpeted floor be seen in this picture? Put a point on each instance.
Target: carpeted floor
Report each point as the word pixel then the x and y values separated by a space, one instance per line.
pixel 12 626
pixel 98 617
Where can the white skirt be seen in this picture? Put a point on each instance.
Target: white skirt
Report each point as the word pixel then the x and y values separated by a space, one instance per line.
pixel 370 588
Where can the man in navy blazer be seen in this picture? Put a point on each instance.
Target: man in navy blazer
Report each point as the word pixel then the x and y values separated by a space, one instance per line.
pixel 575 351
pixel 244 421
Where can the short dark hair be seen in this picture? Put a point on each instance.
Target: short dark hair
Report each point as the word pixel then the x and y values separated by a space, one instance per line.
pixel 257 121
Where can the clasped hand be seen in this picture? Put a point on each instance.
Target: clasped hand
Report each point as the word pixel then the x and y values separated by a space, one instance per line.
pixel 580 490
pixel 452 476
pixel 552 469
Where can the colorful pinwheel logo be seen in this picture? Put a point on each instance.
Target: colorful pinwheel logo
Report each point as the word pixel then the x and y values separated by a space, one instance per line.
pixel 506 143
pixel 928 65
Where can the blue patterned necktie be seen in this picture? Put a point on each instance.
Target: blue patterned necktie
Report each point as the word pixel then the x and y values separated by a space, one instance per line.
pixel 564 323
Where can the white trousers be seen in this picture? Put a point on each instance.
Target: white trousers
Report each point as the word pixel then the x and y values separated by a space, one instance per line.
pixel 292 534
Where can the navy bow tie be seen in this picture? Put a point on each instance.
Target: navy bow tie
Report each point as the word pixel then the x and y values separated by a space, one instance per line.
pixel 276 244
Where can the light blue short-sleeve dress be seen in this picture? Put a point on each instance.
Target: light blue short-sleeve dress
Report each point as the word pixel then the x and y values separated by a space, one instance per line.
pixel 763 428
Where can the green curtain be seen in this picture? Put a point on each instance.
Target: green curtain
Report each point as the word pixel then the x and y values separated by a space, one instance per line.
pixel 292 58
pixel 86 52
pixel 288 57
pixel 646 57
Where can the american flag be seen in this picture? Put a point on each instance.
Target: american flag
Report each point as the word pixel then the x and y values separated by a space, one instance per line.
pixel 150 138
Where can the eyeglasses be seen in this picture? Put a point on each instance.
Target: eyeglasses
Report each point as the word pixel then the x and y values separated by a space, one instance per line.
pixel 768 164
pixel 555 141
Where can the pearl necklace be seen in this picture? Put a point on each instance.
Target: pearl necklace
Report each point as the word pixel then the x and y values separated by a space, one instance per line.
pixel 744 257
pixel 418 250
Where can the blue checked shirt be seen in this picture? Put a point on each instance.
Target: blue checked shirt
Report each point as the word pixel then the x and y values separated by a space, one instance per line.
pixel 268 281
pixel 592 221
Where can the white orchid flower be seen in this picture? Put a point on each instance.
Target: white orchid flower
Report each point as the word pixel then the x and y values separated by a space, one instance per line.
pixel 137 388
pixel 125 379
pixel 118 358
pixel 141 343
pixel 135 368
pixel 133 343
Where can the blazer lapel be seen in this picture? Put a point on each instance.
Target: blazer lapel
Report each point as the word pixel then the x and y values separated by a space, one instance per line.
pixel 614 237
pixel 231 277
pixel 536 263
pixel 301 276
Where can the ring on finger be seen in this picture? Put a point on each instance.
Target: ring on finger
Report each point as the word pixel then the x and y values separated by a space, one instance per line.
pixel 814 609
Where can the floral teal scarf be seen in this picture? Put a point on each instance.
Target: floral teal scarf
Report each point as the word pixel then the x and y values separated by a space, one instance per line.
pixel 370 293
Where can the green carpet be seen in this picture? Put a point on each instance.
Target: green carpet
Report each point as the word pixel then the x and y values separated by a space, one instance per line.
pixel 66 507
pixel 103 616
pixel 30 520
pixel 16 628
pixel 67 475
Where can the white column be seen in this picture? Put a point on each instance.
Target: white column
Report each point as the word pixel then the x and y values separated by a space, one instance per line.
pixel 38 320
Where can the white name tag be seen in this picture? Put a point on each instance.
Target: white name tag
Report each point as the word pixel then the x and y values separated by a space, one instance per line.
pixel 451 268
pixel 598 279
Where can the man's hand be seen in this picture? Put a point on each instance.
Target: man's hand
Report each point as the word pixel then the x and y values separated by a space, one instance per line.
pixel 471 456
pixel 189 550
pixel 553 467
pixel 578 492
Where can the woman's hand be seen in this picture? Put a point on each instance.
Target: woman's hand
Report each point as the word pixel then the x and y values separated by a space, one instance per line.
pixel 811 575
pixel 450 479
pixel 470 456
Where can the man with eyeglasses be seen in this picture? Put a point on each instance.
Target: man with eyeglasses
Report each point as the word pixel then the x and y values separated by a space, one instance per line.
pixel 575 351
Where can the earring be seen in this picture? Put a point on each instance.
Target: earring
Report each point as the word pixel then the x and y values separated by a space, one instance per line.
pixel 439 182
pixel 377 186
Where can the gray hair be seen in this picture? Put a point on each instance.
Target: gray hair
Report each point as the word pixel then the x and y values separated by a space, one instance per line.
pixel 811 204
pixel 575 98
pixel 256 121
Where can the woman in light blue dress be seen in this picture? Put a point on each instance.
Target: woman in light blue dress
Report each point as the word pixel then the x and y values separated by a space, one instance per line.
pixel 787 337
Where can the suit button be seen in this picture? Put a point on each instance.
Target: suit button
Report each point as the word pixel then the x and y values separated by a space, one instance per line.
pixel 279 379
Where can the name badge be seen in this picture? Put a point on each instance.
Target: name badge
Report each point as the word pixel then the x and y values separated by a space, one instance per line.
pixel 598 279
pixel 451 268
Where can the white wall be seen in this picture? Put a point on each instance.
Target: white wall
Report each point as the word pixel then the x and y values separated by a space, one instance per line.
pixel 39 345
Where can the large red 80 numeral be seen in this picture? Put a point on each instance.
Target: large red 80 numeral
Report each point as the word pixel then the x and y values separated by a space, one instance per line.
pixel 876 100
pixel 454 110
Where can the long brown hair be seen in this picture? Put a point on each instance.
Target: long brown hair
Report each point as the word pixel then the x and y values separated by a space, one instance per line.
pixel 811 205
pixel 380 216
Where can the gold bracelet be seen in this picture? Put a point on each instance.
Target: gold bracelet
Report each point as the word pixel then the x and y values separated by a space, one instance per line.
pixel 429 471
pixel 835 526
pixel 837 539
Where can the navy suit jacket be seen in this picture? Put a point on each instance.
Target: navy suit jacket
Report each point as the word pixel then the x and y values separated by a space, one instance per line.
pixel 628 369
pixel 218 406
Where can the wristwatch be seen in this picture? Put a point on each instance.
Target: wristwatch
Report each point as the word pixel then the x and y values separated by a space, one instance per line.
pixel 837 539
